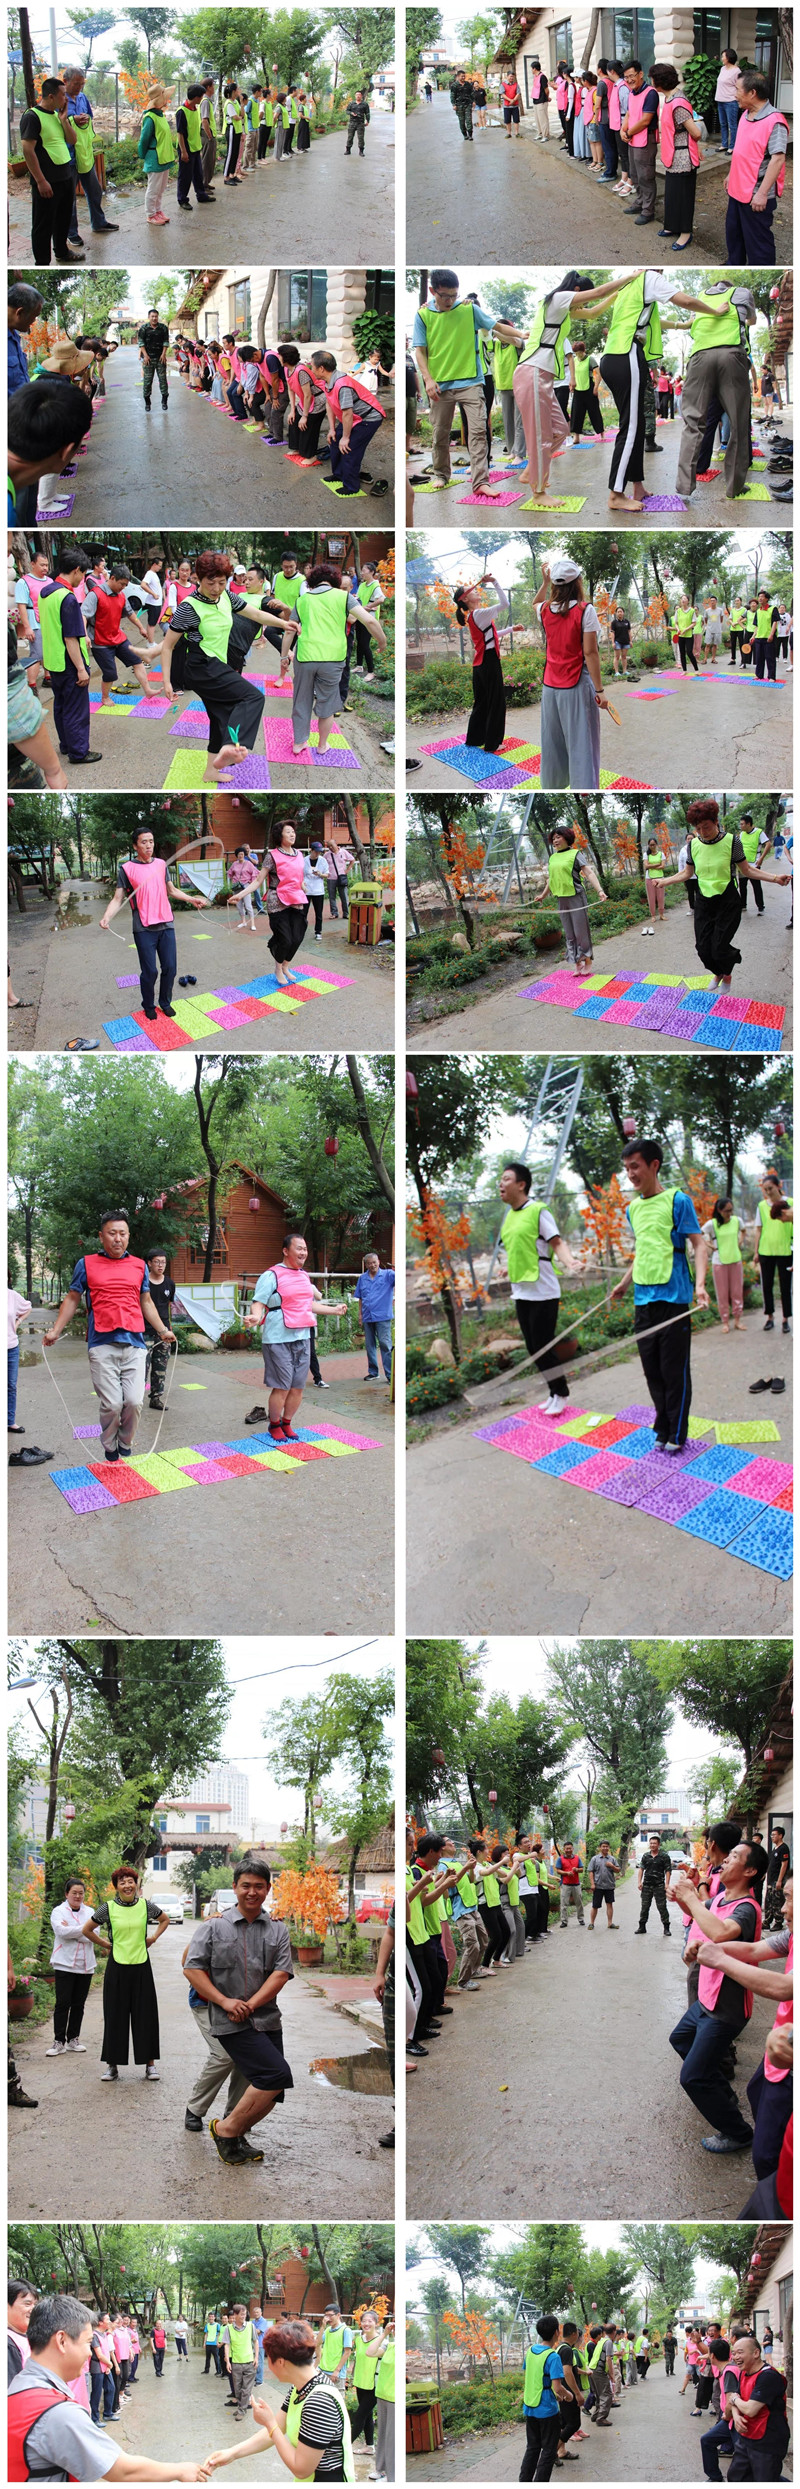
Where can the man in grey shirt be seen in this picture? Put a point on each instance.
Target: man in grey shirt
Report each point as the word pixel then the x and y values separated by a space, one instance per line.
pixel 239 1963
pixel 53 2438
pixel 603 1871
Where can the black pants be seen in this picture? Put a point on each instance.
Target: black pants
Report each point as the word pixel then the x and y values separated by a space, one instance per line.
pixel 736 636
pixel 711 2442
pixel 305 443
pixel 542 2447
pixel 782 1264
pixel 212 2352
pixel 427 2010
pixel 494 1918
pixel 569 2421
pixel 235 707
pixel 666 1362
pixel 757 890
pixel 157 948
pixel 652 1892
pixel 567 120
pixel 669 2359
pixel 755 2462
pixel 51 220
pixel 584 402
pixel 487 722
pixel 530 1905
pixel 288 931
pixel 317 901
pixel 703 2389
pixel 702 2040
pixel 626 376
pixel 766 659
pixel 190 176
pixel 686 654
pixel 71 713
pixel 232 152
pixel 715 923
pixel 158 2359
pixel 538 1323
pixel 120 2382
pixel 544 1909
pixel 72 1989
pixel 364 649
pixel 365 2414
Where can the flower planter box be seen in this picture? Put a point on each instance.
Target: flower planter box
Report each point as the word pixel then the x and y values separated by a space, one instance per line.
pixel 424 2430
pixel 19 2007
pixel 310 1955
pixel 547 941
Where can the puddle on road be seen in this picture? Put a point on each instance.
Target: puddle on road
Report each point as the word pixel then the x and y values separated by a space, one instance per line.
pixel 368 2072
pixel 68 913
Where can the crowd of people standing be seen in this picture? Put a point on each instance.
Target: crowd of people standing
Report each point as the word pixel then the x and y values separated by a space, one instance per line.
pixel 577 2371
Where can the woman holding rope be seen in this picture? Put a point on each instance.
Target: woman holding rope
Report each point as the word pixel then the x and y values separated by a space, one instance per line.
pixel 567 874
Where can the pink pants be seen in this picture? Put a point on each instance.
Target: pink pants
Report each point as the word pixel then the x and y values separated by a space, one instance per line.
pixel 450 1954
pixel 728 1280
pixel 543 423
pixel 656 895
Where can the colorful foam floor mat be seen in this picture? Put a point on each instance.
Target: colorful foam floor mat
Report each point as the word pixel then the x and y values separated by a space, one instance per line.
pixel 515 764
pixel 690 1007
pixel 207 1015
pixel 716 1489
pixel 96 1488
pixel 187 771
pixel 661 686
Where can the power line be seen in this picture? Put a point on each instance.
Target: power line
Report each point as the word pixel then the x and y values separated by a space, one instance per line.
pixel 296 1664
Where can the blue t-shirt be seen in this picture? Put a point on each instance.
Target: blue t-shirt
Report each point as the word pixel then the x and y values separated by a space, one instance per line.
pixel 17 363
pixel 679 1289
pixel 482 319
pixel 547 2408
pixel 96 1339
pixel 375 1295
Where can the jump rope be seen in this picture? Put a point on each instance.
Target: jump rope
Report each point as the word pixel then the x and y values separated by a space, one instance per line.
pixel 77 1432
pixel 576 1364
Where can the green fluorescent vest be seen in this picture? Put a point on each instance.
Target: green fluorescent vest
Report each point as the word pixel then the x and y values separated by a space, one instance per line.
pixel 385 2385
pixel 561 872
pixel 652 1223
pixel 491 1890
pixel 597 2352
pixel 512 1889
pixel 287 590
pixel 54 655
pixel 128 1932
pixel 52 135
pixel 242 2345
pixel 84 147
pixel 364 2368
pixel 294 2418
pixel 727 1235
pixel 467 1889
pixel 166 144
pixel 738 617
pixel 654 867
pixel 713 865
pixel 506 359
pixel 630 319
pixel 710 330
pixel 451 343
pixel 684 622
pixel 416 1924
pixel 192 127
pixel 215 622
pixel 749 839
pixel 323 628
pixel 534 2375
pixel 583 371
pixel 763 623
pixel 332 2352
pixel 520 1236
pixel 776 1235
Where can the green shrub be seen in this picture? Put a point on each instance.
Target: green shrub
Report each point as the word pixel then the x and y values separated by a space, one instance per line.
pixel 375 328
pixel 416 1359
pixel 486 1362
pixel 484 2403
pixel 432 1390
pixel 444 686
pixel 123 162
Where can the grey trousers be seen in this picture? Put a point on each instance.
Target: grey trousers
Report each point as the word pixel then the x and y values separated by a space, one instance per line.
pixel 602 2387
pixel 723 372
pixel 511 1944
pixel 574 916
pixel 519 1924
pixel 384 2441
pixel 243 2377
pixel 513 429
pixel 642 164
pixel 571 1893
pixel 118 1374
pixel 315 693
pixel 474 1943
pixel 442 413
pixel 570 728
pixel 217 2069
pixel 208 154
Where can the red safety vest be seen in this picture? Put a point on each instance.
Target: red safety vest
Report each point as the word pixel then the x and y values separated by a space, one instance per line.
pixel 115 1289
pixel 668 130
pixel 107 631
pixel 564 636
pixel 747 2387
pixel 345 381
pixel 24 2409
pixel 511 93
pixel 749 148
pixel 482 639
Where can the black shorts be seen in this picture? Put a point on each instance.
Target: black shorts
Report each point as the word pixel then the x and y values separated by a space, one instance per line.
pixel 107 658
pixel 599 1895
pixel 510 112
pixel 259 2056
pixel 152 614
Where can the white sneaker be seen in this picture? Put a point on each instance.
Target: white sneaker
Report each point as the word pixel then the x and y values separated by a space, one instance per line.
pixel 109 2074
pixel 78 2047
pixel 59 2049
pixel 151 2076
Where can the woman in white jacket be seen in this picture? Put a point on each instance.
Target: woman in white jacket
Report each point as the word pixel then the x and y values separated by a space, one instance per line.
pixel 74 1961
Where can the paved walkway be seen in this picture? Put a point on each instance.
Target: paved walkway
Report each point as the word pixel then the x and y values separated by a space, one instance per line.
pixel 278 215
pixel 507 1020
pixel 255 1546
pixel 321 2149
pixel 652 2437
pixel 181 2416
pixel 732 734
pixel 518 1552
pixel 514 203
pixel 79 990
pixel 585 470
pixel 190 465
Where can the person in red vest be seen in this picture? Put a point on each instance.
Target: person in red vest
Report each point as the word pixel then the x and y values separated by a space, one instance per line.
pixel 757 174
pixel 487 722
pixel 355 414
pixel 51 2437
pixel 757 2412
pixel 572 690
pixel 103 611
pixel 143 879
pixel 116 1285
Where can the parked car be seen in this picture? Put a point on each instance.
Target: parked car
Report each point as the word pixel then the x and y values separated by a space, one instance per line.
pixel 373 1908
pixel 223 1899
pixel 173 1906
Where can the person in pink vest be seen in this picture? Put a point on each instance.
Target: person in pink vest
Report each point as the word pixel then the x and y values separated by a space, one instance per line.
pixel 572 691
pixel 641 131
pixel 757 174
pixel 704 2036
pixel 116 1285
pixel 143 881
pixel 355 414
pixel 285 1306
pixel 679 137
pixel 765 1968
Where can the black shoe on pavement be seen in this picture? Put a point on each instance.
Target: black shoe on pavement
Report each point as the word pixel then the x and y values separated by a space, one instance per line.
pixel 194 2125
pixel 31 1457
pixel 168 1012
pixel 19 2099
pixel 79 760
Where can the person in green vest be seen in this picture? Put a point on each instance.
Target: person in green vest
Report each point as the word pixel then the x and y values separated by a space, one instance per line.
pixel 766 637
pixel 384 2411
pixel 335 2341
pixel 600 2368
pixel 311 2430
pixel 157 150
pixel 209 133
pixel 724 1234
pixel 240 2355
pixel 446 344
pixel 757 845
pixel 545 372
pixel 684 624
pixel 585 400
pixel 45 138
pixel 234 132
pixel 120 1927
pixel 369 2344
pixel 266 123
pixel 505 358
pixel 65 655
pixel 544 2394
pixel 567 875
pixel 773 1248
pixel 530 1236
pixel 189 132
pixel 573 2361
pixel 319 631
pixel 539 1868
pixel 661 1221
pixel 737 619
pixel 654 883
pixel 719 367
pixel 369 593
pixel 717 859
pixel 82 140
pixel 634 341
pixel 211 2339
pixel 205 650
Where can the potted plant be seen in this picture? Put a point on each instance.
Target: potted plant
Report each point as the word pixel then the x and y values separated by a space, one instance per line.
pixel 309 1899
pixel 20 2000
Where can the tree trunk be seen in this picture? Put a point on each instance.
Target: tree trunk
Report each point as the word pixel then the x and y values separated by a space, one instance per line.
pixel 27 57
pixel 349 810
pixel 261 328
pixel 29 1249
pixel 411 908
pixel 591 40
pixel 582 812
pixel 330 2284
pixel 372 1147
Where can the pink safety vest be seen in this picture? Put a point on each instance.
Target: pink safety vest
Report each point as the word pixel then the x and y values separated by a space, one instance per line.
pixel 295 380
pixel 614 107
pixel 749 149
pixel 150 886
pixel 35 586
pixel 637 101
pixel 589 101
pixel 710 1981
pixel 561 94
pixel 784 2013
pixel 667 133
pixel 345 381
pixel 297 1298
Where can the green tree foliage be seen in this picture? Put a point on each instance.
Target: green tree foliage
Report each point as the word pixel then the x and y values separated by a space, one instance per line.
pixel 726 2243
pixel 546 2266
pixel 664 2252
pixel 149 1713
pixel 607 1693
pixel 150 2267
pixel 463 2245
pixel 153 24
pixel 130 55
pixel 370 35
pixel 251 43
pixel 477 38
pixel 713 1783
pixel 731 1688
pixel 443 1698
pixel 119 1141
pixel 520 1753
pixel 359 1710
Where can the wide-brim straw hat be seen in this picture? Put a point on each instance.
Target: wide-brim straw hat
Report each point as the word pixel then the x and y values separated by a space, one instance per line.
pixel 66 360
pixel 158 96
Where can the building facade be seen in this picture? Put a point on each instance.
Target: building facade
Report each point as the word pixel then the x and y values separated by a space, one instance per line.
pixel 311 306
pixel 649 34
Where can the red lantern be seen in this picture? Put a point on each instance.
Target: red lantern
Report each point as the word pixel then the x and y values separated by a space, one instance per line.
pixel 629 1126
pixel 284 1827
pixel 769 1754
pixel 412 1090
pixel 545 1810
pixel 438 1757
pixel 254 1203
pixel 304 2251
pixel 755 2260
pixel 69 1811
pixel 780 1129
pixel 493 1797
pixel 331 1146
pixel 594 2303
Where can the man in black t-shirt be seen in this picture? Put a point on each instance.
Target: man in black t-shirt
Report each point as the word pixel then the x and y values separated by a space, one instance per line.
pixel 779 1863
pixel 655 1867
pixel 163 1293
pixel 153 344
pixel 760 2391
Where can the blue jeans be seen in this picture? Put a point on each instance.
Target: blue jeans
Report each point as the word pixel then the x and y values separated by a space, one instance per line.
pixel 728 124
pixel 156 946
pixel 710 2443
pixel 13 1371
pixel 346 461
pixel 90 185
pixel 378 1335
pixel 701 2039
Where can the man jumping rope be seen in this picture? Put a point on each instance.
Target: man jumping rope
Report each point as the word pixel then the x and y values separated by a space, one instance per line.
pixel 116 1285
pixel 662 1284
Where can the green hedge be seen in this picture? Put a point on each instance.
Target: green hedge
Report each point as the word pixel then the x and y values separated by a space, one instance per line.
pixel 484 2404
pixel 432 1389
pixel 442 687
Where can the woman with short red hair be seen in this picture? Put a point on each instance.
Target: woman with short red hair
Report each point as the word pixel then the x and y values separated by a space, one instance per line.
pixel 311 2430
pixel 205 649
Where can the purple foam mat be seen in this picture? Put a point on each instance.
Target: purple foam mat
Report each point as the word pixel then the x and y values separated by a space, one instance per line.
pixel 192 722
pixel 45 518
pixel 662 501
pixel 153 706
pixel 93 1497
pixel 82 1433
pixel 671 1498
pixel 251 773
pixel 126 981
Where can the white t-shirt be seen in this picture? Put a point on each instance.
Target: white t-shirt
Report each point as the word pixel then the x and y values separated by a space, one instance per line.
pixel 152 587
pixel 535 1290
pixel 558 307
pixel 70 1949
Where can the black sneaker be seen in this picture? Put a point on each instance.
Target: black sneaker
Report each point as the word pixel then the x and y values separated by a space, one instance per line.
pixel 168 1012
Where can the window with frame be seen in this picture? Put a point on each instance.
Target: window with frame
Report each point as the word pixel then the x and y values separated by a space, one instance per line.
pixel 202 1823
pixel 159 1863
pixel 711 31
pixel 379 290
pixel 629 34
pixel 303 305
pixel 239 297
pixel 561 43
